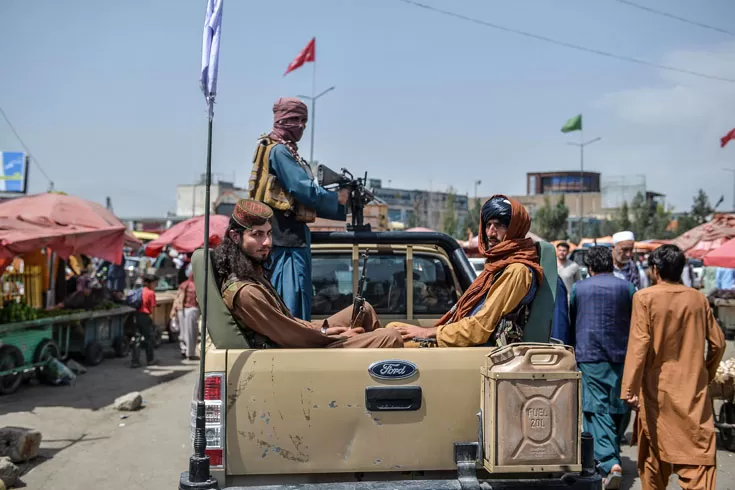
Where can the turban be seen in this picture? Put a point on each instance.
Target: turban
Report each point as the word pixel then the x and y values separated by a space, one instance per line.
pixel 498 208
pixel 623 236
pixel 249 213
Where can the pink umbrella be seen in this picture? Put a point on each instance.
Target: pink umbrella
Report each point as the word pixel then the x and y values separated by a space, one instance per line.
pixel 723 256
pixel 188 235
pixel 66 224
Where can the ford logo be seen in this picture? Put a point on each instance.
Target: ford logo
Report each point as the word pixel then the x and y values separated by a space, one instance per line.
pixel 392 369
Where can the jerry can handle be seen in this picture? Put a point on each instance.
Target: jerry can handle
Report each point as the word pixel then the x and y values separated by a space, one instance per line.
pixel 556 354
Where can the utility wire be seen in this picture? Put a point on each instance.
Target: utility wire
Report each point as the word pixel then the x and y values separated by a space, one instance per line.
pixel 676 17
pixel 25 147
pixel 566 44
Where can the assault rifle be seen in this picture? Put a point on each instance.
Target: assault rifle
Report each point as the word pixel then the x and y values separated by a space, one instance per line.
pixel 360 196
pixel 358 303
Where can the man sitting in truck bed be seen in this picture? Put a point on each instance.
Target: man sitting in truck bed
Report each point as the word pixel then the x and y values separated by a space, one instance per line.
pixel 494 309
pixel 264 319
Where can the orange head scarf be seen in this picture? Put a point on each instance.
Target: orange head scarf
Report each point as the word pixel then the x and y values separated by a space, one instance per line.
pixel 515 248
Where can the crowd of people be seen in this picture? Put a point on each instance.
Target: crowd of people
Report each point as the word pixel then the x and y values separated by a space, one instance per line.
pixel 652 350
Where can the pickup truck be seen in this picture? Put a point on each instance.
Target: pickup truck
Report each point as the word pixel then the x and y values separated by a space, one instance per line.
pixel 372 419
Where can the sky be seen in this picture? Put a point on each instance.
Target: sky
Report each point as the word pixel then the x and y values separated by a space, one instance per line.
pixel 106 94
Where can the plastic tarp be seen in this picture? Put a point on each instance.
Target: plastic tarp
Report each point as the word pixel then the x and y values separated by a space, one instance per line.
pixel 703 239
pixel 722 257
pixel 66 224
pixel 188 235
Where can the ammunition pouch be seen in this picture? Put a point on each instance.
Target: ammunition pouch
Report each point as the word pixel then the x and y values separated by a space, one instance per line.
pixel 265 187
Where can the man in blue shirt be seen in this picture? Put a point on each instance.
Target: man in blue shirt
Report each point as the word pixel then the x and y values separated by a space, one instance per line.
pixel 599 311
pixel 284 181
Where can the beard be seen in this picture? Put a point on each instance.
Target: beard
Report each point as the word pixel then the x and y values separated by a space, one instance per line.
pixel 230 259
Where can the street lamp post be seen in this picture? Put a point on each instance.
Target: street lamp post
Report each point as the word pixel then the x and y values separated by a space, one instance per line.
pixel 477 182
pixel 581 146
pixel 733 185
pixel 313 118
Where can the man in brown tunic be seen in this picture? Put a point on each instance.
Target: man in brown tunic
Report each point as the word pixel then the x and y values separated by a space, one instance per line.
pixel 667 374
pixel 260 312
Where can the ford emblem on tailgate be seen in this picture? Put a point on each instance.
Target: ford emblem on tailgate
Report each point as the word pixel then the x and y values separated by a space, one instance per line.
pixel 392 369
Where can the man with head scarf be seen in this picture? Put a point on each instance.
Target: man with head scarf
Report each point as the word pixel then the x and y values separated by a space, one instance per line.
pixel 284 181
pixel 494 309
pixel 261 315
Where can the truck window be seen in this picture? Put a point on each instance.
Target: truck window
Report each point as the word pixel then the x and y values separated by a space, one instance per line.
pixel 385 286
pixel 434 292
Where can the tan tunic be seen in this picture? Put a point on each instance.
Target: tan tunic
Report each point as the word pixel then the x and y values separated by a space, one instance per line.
pixel 256 307
pixel 502 298
pixel 670 370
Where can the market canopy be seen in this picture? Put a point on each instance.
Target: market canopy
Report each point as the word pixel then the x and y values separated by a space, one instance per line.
pixel 702 239
pixel 722 257
pixel 188 235
pixel 67 225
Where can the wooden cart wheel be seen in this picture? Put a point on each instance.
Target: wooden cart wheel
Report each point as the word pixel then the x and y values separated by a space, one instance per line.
pixel 10 358
pixel 45 350
pixel 727 416
pixel 93 354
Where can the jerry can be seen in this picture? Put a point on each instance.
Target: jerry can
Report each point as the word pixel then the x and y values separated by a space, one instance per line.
pixel 531 409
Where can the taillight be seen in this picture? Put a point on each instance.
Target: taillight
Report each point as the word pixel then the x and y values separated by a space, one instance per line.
pixel 214 397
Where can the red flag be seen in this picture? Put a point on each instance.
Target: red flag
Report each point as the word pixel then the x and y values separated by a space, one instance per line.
pixel 307 54
pixel 729 136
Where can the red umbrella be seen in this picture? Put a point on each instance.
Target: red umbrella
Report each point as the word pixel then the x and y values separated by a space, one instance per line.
pixel 722 257
pixel 66 224
pixel 188 235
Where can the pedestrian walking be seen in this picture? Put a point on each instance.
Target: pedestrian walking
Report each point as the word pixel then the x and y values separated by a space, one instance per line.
pixel 667 375
pixel 600 309
pixel 186 311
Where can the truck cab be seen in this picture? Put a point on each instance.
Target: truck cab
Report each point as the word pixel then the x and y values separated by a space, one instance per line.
pixel 368 418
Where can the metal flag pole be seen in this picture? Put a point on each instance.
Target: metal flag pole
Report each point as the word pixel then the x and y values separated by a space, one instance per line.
pixel 199 475
pixel 581 146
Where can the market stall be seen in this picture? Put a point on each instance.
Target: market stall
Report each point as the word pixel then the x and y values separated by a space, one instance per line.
pixel 187 236
pixel 722 388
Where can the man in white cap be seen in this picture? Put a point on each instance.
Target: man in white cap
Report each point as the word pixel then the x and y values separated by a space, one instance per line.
pixel 625 268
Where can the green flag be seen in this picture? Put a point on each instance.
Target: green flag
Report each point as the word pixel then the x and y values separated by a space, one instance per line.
pixel 574 124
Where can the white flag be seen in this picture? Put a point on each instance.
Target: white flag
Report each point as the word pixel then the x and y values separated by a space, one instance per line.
pixel 210 50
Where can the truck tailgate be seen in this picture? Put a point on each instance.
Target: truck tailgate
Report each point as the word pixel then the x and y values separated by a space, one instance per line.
pixel 304 411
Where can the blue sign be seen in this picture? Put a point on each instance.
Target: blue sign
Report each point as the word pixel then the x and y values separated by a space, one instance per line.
pixel 393 369
pixel 13 172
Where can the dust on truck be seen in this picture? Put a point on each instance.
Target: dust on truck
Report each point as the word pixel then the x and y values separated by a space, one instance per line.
pixel 412 418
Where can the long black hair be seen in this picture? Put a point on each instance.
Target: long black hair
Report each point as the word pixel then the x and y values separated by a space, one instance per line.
pixel 229 258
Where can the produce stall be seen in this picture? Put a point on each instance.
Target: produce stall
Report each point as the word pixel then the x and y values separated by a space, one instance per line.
pixel 725 313
pixel 723 388
pixel 100 332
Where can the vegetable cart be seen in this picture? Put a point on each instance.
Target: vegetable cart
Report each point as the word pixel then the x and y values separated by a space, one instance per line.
pixel 725 312
pixel 27 346
pixel 97 332
pixel 725 420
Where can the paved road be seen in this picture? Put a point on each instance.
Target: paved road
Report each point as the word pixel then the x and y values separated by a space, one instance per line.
pixel 87 445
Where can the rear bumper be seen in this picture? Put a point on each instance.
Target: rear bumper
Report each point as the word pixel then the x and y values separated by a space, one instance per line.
pixel 569 482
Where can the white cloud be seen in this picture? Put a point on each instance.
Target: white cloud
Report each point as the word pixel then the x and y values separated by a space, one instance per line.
pixel 671 129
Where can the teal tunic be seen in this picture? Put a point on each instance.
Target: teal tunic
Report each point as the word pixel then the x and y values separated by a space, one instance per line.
pixel 290 262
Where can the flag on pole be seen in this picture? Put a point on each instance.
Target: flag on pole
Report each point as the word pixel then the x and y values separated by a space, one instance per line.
pixel 725 139
pixel 210 50
pixel 307 54
pixel 574 124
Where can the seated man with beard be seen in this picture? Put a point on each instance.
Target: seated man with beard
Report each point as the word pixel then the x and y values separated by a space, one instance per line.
pixel 261 314
pixel 493 311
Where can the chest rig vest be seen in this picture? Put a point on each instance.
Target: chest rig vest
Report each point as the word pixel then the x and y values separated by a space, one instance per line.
pixel 256 340
pixel 265 187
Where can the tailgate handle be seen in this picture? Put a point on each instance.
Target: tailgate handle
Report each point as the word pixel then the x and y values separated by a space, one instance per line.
pixel 393 398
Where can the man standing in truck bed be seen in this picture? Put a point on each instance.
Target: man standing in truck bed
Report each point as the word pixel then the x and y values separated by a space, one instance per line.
pixel 264 319
pixel 284 181
pixel 494 310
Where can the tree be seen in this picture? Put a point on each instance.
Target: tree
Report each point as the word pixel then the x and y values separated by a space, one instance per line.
pixel 622 220
pixel 701 208
pixel 472 220
pixel 550 221
pixel 450 223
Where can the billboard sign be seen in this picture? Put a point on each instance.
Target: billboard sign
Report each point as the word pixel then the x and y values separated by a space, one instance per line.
pixel 14 172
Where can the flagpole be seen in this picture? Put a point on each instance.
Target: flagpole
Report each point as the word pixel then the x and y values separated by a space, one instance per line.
pixel 313 111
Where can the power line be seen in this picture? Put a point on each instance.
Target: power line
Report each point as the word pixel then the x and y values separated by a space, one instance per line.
pixel 25 147
pixel 566 44
pixel 676 17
